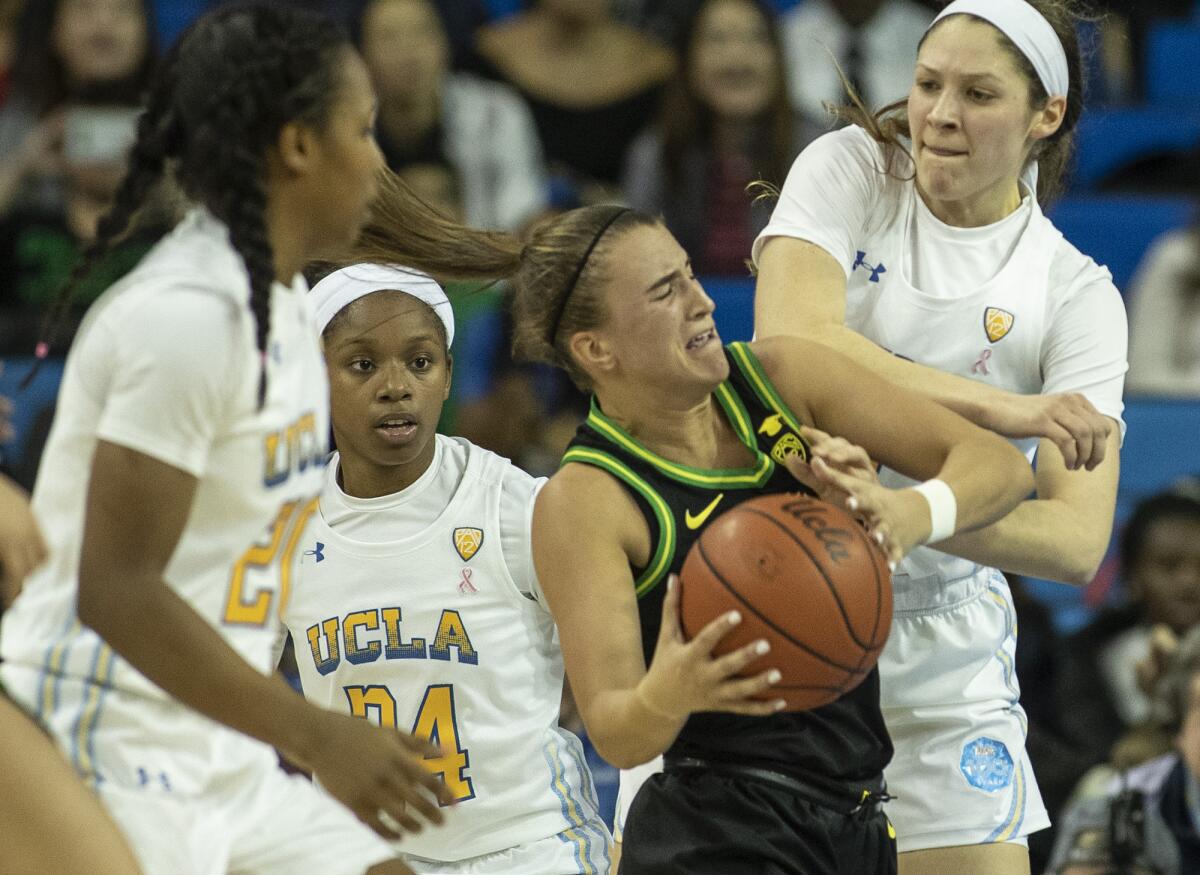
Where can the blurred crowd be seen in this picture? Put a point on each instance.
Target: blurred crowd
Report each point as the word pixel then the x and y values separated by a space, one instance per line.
pixel 499 113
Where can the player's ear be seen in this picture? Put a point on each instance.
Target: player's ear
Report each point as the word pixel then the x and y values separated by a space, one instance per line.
pixel 295 148
pixel 591 352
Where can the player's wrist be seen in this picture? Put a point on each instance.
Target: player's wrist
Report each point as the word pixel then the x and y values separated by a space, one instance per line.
pixel 655 706
pixel 941 509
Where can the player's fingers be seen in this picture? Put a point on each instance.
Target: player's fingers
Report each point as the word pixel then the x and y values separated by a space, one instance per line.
pixel 711 634
pixel 420 746
pixel 421 798
pixel 1101 429
pixel 840 479
pixel 1065 441
pixel 373 820
pixel 732 663
pixel 669 628
pixel 737 689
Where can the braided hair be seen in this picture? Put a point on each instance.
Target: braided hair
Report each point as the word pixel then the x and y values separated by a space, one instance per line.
pixel 226 89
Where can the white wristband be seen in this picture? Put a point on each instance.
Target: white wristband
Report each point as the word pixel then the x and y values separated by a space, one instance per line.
pixel 943 509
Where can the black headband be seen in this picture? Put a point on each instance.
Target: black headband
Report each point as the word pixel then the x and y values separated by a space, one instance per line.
pixel 562 304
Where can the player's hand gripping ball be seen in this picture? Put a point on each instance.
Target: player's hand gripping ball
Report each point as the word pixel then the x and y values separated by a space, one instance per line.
pixel 806 577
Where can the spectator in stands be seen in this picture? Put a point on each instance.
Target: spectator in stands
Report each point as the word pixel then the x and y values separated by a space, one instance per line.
pixel 1146 819
pixel 725 122
pixel 873 41
pixel 479 131
pixel 1101 697
pixel 1164 318
pixel 68 52
pixel 39 244
pixel 592 82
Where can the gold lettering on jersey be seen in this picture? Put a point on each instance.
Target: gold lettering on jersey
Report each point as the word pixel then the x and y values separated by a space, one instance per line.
pixel 997 323
pixel 467 541
pixel 364 636
pixel 292 449
pixel 789 445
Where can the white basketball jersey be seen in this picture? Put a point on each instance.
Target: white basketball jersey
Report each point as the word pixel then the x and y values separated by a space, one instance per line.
pixel 166 365
pixel 442 642
pixel 993 332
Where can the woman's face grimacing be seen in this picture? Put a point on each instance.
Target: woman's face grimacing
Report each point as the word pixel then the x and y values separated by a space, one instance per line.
pixel 659 332
pixel 389 374
pixel 971 121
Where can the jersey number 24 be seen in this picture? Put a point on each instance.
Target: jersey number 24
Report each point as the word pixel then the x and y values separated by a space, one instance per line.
pixel 436 721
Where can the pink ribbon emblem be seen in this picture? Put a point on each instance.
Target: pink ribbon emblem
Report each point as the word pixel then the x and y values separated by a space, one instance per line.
pixel 465 586
pixel 980 366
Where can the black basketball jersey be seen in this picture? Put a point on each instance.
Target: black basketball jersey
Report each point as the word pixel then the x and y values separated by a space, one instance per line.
pixel 842 743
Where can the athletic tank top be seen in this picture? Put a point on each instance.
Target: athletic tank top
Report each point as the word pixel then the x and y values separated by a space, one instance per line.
pixel 838 745
pixel 430 633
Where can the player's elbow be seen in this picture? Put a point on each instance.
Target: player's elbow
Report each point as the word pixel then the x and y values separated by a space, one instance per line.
pixel 1081 563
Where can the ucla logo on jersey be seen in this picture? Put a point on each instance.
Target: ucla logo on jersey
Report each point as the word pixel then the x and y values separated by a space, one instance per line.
pixel 860 260
pixel 986 764
pixel 366 636
pixel 467 541
pixel 292 449
pixel 997 323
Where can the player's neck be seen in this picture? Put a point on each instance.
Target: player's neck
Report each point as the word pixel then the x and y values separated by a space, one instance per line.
pixel 697 435
pixel 361 478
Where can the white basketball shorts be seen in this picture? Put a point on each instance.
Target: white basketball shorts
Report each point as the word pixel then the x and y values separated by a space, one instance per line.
pixel 193 797
pixel 960 775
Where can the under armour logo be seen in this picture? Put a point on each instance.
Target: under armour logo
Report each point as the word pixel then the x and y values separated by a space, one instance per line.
pixel 876 269
pixel 319 551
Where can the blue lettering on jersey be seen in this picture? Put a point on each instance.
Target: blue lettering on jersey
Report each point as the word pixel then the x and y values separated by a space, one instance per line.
pixel 876 269
pixel 357 636
pixel 986 764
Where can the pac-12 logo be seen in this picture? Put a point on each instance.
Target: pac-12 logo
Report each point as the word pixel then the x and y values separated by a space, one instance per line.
pixel 997 323
pixel 467 541
pixel 876 269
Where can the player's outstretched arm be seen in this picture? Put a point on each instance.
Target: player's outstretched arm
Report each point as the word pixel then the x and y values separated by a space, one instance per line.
pixel 586 533
pixel 905 431
pixel 801 292
pixel 1062 533
pixel 123 597
pixel 21 546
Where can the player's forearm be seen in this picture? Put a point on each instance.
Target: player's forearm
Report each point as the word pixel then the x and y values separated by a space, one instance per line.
pixel 970 399
pixel 625 731
pixel 161 636
pixel 988 477
pixel 1043 538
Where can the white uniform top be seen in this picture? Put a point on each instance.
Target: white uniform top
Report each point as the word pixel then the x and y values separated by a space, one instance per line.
pixel 166 365
pixel 421 610
pixel 1011 304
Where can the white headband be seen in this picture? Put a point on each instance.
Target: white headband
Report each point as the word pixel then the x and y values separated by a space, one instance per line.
pixel 343 287
pixel 1029 31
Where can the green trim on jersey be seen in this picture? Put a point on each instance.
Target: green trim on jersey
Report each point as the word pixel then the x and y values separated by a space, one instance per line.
pixel 664 551
pixel 752 369
pixel 746 478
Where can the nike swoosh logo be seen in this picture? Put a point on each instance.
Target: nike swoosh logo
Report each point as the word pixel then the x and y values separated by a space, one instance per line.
pixel 695 522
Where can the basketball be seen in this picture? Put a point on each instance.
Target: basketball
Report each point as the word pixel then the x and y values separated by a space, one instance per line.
pixel 807 578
